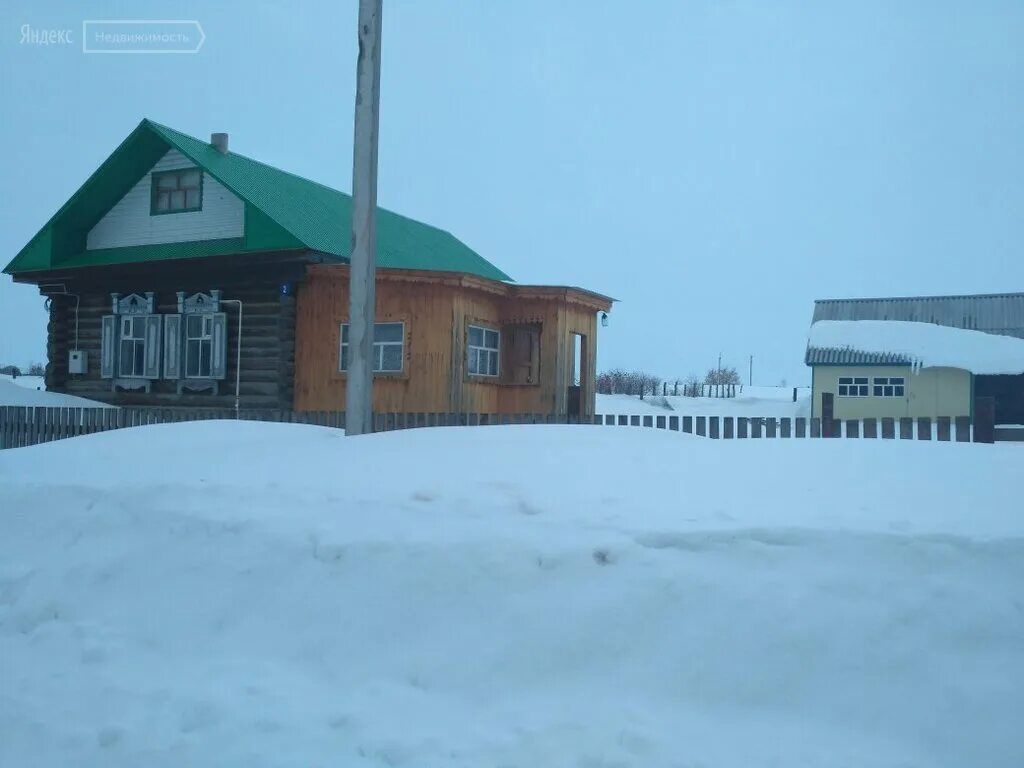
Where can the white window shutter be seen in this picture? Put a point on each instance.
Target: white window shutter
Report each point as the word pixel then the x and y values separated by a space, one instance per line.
pixel 172 346
pixel 151 365
pixel 219 346
pixel 108 345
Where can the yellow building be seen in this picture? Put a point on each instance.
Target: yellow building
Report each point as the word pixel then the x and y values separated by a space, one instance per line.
pixel 876 381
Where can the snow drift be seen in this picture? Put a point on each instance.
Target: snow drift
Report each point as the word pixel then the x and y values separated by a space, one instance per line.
pixel 927 345
pixel 31 391
pixel 220 594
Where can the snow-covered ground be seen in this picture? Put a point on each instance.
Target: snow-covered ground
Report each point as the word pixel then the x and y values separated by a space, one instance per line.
pixel 28 382
pixel 31 391
pixel 768 402
pixel 231 593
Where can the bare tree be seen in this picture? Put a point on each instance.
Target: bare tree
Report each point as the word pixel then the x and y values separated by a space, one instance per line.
pixel 722 376
pixel 36 369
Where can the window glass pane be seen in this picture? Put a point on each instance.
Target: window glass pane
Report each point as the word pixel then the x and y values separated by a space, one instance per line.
pixel 899 391
pixel 492 366
pixel 139 327
pixel 881 380
pixel 387 332
pixel 192 358
pixel 127 355
pixel 861 380
pixel 491 339
pixel 476 336
pixel 344 333
pixel 163 201
pixel 343 365
pixel 842 390
pixel 863 390
pixel 140 358
pixel 896 380
pixel 878 391
pixel 205 351
pixel 193 326
pixel 207 325
pixel 167 181
pixel 888 391
pixel 177 200
pixel 472 362
pixel 192 198
pixel 391 357
pixel 189 179
pixel 845 380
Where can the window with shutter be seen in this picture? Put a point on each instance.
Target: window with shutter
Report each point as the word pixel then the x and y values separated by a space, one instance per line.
pixel 108 342
pixel 219 346
pixel 172 346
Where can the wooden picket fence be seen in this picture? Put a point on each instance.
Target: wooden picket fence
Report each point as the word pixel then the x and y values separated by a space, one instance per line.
pixel 23 426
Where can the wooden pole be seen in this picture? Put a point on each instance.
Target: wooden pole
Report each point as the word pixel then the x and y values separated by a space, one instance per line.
pixel 362 273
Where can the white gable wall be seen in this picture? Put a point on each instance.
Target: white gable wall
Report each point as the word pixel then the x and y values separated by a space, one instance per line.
pixel 130 223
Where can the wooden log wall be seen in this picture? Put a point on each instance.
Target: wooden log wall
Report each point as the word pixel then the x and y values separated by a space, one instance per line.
pixel 268 333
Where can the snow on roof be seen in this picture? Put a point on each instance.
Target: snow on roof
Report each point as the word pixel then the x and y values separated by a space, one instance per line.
pixel 922 345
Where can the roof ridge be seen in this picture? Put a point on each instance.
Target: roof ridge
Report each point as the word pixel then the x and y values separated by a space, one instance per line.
pixel 924 298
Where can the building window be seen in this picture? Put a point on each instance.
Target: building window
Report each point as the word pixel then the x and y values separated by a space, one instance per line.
pixel 176 191
pixel 892 386
pixel 388 347
pixel 853 386
pixel 482 351
pixel 198 346
pixel 132 355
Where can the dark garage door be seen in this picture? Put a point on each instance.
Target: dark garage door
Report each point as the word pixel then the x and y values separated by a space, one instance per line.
pixel 1008 392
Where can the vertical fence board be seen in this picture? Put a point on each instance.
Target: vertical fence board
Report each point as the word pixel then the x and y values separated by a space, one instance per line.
pixel 727 428
pixel 924 428
pixel 963 429
pixel 800 427
pixel 785 427
pixel 871 428
pixel 815 427
pixel 713 427
pixel 770 427
pixel 673 423
pixel 742 423
pixel 688 424
pixel 852 428
pixel 906 428
pixel 942 424
pixel 755 426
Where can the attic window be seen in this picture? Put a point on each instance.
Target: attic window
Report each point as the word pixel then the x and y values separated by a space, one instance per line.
pixel 176 191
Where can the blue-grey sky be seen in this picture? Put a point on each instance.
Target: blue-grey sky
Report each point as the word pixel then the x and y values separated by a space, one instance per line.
pixel 715 166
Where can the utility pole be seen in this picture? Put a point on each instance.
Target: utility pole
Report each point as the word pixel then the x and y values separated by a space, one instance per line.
pixel 362 261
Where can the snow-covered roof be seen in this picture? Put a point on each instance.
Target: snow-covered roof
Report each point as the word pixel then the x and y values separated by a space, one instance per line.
pixel 922 345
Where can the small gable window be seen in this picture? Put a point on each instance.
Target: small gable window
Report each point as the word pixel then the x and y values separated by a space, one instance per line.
pixel 176 191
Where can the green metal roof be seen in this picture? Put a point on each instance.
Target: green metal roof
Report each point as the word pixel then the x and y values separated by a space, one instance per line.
pixel 282 211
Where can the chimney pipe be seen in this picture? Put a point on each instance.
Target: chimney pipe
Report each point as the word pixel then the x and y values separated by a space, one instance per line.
pixel 219 142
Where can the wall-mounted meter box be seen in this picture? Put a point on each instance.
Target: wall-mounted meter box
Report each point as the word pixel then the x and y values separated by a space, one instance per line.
pixel 78 361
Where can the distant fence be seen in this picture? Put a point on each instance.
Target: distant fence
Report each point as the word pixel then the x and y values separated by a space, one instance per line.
pixel 20 426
